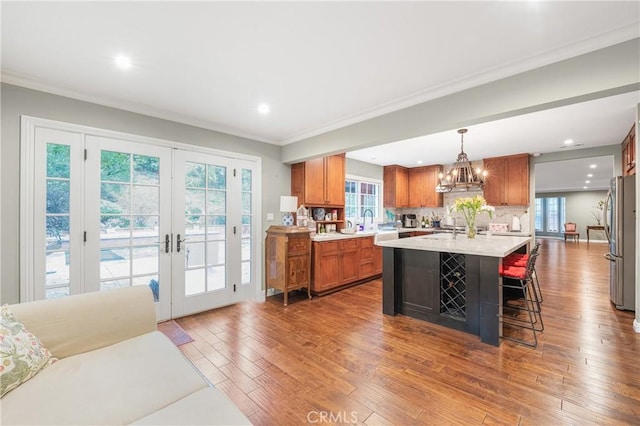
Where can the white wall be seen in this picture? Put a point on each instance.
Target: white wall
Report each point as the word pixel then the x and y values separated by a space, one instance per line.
pixel 579 207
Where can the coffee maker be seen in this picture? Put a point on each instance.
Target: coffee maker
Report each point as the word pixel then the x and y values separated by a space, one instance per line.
pixel 409 221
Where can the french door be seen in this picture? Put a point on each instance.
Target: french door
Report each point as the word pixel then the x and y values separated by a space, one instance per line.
pixel 111 212
pixel 214 231
pixel 127 216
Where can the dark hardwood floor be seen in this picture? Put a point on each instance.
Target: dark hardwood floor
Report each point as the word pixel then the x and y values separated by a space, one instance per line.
pixel 338 359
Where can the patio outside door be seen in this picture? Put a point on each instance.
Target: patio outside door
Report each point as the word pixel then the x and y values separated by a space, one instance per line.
pixel 128 217
pixel 108 212
pixel 213 227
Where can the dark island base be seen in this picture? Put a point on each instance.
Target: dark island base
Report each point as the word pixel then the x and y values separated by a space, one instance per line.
pixel 423 284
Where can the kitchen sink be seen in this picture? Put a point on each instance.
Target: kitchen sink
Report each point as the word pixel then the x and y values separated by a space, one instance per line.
pixel 385 235
pixel 439 236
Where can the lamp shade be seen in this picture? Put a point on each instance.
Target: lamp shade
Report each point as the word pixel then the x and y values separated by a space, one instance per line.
pixel 288 204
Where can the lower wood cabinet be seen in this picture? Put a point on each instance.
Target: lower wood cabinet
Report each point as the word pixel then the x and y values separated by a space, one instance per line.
pixel 377 260
pixel 339 263
pixel 288 259
pixel 366 257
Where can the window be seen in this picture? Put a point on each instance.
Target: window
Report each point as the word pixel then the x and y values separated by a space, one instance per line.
pixel 362 194
pixel 550 215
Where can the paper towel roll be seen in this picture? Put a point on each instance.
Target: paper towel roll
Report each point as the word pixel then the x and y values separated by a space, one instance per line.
pixel 515 224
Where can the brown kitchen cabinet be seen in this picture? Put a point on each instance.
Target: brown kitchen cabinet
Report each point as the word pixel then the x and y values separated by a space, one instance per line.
pixel 629 153
pixel 367 255
pixel 377 260
pixel 335 263
pixel 507 182
pixel 396 186
pixel 319 182
pixel 422 186
pixel 288 259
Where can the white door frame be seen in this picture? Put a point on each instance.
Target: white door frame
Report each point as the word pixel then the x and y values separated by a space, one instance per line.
pixel 29 125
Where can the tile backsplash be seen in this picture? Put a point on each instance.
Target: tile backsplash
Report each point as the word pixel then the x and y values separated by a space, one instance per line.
pixel 503 214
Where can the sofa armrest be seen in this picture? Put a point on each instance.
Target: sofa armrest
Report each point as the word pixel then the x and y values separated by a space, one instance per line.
pixel 84 322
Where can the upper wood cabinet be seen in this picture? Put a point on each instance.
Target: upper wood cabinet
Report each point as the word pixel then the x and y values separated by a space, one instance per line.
pixel 319 182
pixel 629 153
pixel 422 186
pixel 507 183
pixel 396 186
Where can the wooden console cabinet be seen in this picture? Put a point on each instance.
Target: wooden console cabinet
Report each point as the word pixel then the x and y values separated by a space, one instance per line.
pixel 288 259
pixel 508 181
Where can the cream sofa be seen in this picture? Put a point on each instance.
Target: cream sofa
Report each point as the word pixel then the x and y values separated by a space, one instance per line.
pixel 114 367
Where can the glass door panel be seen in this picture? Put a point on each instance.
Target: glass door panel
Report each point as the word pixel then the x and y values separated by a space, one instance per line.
pixel 134 217
pixel 249 264
pixel 57 244
pixel 213 213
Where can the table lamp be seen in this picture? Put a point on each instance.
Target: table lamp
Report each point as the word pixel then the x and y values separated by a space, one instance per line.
pixel 288 204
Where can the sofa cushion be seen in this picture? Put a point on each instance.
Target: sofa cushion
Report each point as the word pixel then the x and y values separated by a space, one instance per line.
pixel 204 407
pixel 84 322
pixel 116 384
pixel 23 355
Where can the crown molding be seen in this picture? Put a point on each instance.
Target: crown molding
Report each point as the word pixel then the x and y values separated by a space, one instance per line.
pixel 42 86
pixel 505 70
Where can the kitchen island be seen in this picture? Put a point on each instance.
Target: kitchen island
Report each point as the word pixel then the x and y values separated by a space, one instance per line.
pixel 454 282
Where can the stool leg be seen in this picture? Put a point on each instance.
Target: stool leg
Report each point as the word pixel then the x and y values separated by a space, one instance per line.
pixel 535 274
pixel 532 314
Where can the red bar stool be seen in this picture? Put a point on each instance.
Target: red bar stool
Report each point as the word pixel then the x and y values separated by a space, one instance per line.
pixel 520 279
pixel 520 259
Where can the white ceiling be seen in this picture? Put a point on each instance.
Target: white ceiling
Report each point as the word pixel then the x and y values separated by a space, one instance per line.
pixel 319 65
pixel 591 124
pixel 572 175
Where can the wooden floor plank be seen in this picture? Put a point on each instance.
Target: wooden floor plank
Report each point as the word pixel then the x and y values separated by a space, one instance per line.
pixel 339 355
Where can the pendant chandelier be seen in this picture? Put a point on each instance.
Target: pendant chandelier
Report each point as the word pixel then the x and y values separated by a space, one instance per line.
pixel 462 176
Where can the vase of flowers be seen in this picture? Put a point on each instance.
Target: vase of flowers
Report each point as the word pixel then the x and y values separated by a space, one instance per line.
pixel 470 207
pixel 597 215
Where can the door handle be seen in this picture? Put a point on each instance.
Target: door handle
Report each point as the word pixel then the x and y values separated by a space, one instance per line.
pixel 604 216
pixel 610 257
pixel 166 242
pixel 179 243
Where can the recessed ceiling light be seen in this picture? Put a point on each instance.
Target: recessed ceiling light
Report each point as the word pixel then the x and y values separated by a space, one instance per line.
pixel 590 175
pixel 568 142
pixel 585 187
pixel 587 181
pixel 593 166
pixel 264 109
pixel 419 161
pixel 123 62
pixel 536 154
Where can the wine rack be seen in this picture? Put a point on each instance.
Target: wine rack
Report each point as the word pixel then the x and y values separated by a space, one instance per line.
pixel 453 298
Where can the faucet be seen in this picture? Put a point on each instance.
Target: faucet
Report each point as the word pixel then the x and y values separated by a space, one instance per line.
pixel 364 216
pixel 455 223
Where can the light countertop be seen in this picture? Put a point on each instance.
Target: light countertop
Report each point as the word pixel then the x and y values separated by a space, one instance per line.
pixel 339 236
pixel 482 245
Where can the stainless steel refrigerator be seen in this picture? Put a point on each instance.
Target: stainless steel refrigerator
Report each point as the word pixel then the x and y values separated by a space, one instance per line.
pixel 620 227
